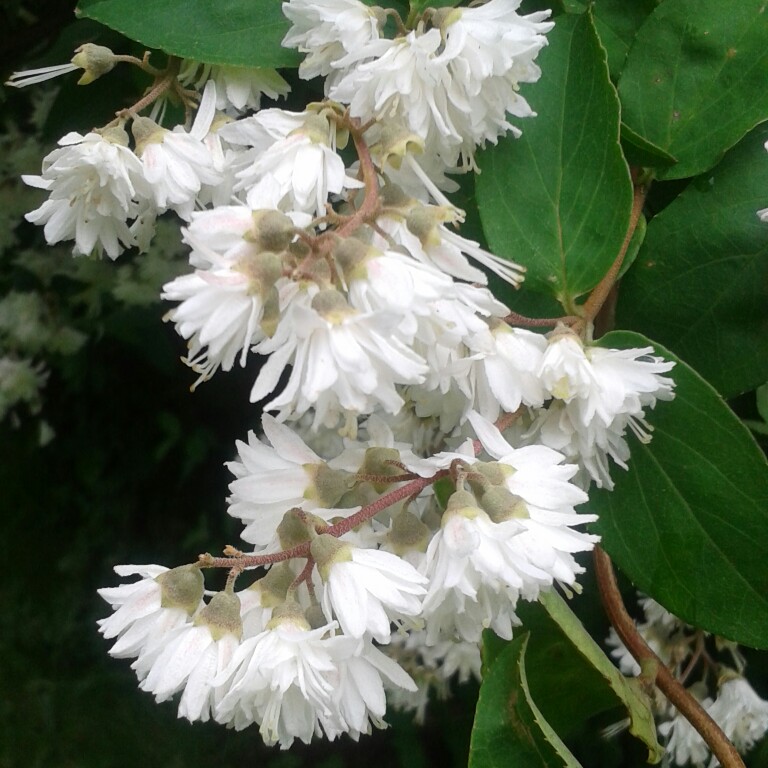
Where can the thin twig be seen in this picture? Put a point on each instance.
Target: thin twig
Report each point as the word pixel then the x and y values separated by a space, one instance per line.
pixel 665 681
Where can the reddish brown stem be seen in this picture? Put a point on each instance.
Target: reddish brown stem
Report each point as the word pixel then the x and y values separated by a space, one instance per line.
pixel 343 526
pixel 603 289
pixel 665 681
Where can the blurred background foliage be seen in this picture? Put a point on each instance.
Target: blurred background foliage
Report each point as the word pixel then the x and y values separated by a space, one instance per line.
pixel 109 459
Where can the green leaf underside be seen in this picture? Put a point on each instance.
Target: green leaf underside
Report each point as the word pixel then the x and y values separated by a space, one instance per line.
pixel 694 80
pixel 688 522
pixel 509 730
pixel 702 289
pixel 236 33
pixel 628 690
pixel 566 172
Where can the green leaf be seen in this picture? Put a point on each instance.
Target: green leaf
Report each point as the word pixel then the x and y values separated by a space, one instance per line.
pixel 566 173
pixel 694 80
pixel 627 690
pixel 640 151
pixel 237 32
pixel 687 523
pixel 617 22
pixel 509 729
pixel 700 282
pixel 761 396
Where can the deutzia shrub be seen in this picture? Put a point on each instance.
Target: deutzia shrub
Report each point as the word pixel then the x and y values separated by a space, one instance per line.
pixel 418 266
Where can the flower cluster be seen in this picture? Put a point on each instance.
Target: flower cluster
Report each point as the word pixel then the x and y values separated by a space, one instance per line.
pixel 387 361
pixel 735 706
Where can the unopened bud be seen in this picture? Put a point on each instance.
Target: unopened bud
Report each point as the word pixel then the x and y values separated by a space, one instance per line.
pixel 94 60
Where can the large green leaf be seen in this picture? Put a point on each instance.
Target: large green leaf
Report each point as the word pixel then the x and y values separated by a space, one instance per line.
pixel 700 282
pixel 566 174
pixel 617 22
pixel 236 32
pixel 509 729
pixel 688 523
pixel 694 80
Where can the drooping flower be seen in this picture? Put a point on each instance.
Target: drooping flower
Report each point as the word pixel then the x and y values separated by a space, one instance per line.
pixel 95 184
pixel 366 589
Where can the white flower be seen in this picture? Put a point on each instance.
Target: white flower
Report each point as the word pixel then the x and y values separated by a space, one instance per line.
pixel 327 29
pixel 343 361
pixel 191 657
pixel 599 394
pixel 740 712
pixel 279 679
pixel 366 589
pixel 148 609
pixel 683 741
pixel 237 88
pixel 273 477
pixel 510 371
pixel 465 595
pixel 94 183
pixel 294 152
pixel 176 163
pixel 453 85
pixel 223 304
pixel 359 697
